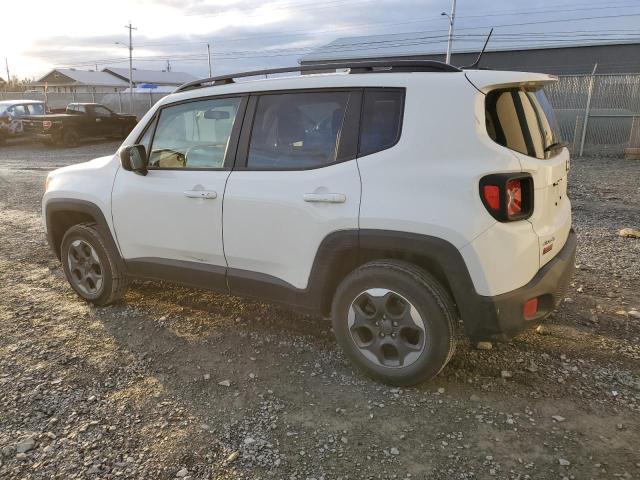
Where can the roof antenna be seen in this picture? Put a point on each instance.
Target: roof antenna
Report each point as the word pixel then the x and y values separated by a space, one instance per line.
pixel 477 62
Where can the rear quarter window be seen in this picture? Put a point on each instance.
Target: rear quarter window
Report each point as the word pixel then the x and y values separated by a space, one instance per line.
pixel 522 120
pixel 381 120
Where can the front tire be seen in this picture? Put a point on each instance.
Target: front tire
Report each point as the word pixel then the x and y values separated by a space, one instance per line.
pixel 395 322
pixel 91 270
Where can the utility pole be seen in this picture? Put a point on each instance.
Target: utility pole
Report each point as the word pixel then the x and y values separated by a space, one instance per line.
pixel 452 19
pixel 131 29
pixel 209 55
pixel 6 62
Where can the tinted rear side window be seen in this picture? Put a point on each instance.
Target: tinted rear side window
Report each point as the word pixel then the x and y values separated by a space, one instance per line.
pixel 381 120
pixel 36 109
pixel 522 120
pixel 297 130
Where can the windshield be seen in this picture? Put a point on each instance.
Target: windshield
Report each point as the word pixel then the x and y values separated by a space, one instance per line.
pixel 524 121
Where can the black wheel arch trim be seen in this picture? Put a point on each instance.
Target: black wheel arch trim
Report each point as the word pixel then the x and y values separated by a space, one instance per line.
pixel 338 254
pixel 343 251
pixel 62 213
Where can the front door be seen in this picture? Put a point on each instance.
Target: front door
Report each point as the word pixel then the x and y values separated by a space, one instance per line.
pixel 296 182
pixel 169 223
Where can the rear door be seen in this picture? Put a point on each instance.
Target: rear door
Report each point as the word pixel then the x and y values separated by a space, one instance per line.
pixel 522 119
pixel 296 181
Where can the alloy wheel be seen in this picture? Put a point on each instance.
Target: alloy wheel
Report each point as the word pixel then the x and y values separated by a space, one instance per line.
pixel 85 268
pixel 386 328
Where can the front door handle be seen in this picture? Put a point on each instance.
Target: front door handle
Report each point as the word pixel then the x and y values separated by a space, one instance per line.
pixel 324 197
pixel 208 194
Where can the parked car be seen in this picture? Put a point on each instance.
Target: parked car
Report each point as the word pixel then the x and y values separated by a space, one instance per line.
pixel 397 198
pixel 79 121
pixel 12 114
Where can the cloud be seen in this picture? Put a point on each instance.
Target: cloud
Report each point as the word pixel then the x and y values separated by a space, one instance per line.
pixel 255 34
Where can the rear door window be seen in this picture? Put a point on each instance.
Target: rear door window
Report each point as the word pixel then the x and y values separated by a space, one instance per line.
pixel 36 109
pixel 522 120
pixel 76 108
pixel 297 130
pixel 381 120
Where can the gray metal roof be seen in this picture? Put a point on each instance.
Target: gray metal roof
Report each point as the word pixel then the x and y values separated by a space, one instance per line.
pixel 417 43
pixel 83 77
pixel 21 101
pixel 152 76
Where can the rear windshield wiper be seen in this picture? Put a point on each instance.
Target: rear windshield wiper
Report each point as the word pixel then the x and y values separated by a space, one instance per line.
pixel 555 145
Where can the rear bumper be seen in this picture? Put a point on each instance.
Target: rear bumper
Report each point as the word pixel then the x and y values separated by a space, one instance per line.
pixel 502 315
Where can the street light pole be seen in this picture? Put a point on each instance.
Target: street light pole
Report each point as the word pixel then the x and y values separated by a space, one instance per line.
pixel 452 19
pixel 209 55
pixel 131 29
pixel 6 62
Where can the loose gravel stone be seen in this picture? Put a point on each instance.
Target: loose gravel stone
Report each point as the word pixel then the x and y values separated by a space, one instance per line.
pixel 144 359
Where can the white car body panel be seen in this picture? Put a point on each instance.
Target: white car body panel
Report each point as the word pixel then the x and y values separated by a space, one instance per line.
pixel 90 181
pixel 268 226
pixel 153 217
pixel 426 184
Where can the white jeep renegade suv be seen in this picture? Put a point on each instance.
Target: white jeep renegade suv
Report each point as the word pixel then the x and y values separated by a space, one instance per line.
pixel 397 198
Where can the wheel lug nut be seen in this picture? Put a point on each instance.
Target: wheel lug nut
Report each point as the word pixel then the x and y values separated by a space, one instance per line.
pixel 393 335
pixel 382 334
pixel 395 324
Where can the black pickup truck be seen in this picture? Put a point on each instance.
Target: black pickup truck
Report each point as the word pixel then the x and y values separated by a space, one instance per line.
pixel 79 121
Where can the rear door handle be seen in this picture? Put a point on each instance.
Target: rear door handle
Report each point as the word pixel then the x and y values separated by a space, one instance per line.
pixel 324 197
pixel 208 194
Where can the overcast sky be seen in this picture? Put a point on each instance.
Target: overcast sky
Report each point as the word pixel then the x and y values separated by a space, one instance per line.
pixel 247 34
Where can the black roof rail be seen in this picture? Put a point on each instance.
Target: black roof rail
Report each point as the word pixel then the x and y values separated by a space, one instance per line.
pixel 369 66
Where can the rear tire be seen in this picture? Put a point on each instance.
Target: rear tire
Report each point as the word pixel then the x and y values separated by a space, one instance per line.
pixel 70 138
pixel 91 270
pixel 395 322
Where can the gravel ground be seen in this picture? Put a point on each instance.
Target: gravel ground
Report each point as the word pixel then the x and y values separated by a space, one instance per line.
pixel 179 383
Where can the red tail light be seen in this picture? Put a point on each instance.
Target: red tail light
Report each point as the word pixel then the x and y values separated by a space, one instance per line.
pixel 46 124
pixel 507 197
pixel 530 308
pixel 514 197
pixel 491 195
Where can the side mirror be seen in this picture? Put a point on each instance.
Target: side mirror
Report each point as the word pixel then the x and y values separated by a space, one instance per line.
pixel 216 114
pixel 134 159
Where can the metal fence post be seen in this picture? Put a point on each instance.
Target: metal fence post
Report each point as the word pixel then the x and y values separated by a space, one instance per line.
pixel 576 129
pixel 587 110
pixel 119 101
pixel 93 96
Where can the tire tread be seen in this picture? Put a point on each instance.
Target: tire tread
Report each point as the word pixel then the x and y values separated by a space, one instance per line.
pixel 426 281
pixel 119 280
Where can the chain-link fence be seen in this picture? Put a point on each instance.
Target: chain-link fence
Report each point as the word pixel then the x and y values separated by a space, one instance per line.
pixel 137 103
pixel 598 114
